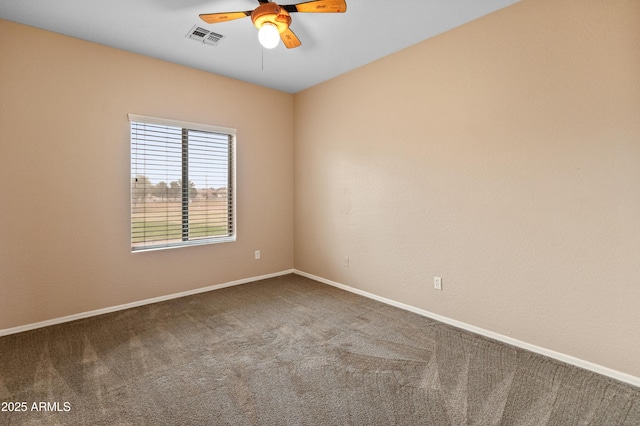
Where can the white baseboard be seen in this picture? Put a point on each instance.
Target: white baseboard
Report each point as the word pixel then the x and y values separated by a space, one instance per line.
pixel 623 377
pixel 110 309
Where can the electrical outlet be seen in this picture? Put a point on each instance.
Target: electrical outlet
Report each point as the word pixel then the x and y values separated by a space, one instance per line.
pixel 257 254
pixel 346 262
pixel 437 283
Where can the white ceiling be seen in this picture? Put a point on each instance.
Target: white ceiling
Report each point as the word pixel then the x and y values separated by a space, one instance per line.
pixel 332 43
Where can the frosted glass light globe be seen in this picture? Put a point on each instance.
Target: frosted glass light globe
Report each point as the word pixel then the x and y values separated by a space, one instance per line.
pixel 268 35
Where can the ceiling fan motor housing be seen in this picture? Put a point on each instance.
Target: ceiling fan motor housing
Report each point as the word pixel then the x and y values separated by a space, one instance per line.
pixel 271 12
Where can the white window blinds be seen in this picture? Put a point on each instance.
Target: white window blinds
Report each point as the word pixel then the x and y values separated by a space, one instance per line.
pixel 182 183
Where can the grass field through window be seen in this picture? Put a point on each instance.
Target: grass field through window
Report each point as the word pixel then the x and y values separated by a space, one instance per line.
pixel 160 221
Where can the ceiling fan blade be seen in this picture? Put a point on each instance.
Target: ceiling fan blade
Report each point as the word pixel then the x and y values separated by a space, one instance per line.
pixel 318 6
pixel 214 18
pixel 289 39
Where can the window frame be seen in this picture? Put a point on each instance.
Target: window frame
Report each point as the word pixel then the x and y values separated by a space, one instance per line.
pixel 231 190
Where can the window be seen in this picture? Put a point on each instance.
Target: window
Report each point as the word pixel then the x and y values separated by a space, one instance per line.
pixel 182 183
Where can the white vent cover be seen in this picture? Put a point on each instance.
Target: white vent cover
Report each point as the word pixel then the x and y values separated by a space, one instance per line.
pixel 204 36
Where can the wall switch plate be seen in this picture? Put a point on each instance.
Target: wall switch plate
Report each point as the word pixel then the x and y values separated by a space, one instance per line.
pixel 437 283
pixel 257 254
pixel 346 262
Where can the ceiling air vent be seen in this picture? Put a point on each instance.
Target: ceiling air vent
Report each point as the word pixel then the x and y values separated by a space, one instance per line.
pixel 204 36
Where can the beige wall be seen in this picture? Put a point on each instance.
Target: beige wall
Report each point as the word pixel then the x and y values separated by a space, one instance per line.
pixel 503 156
pixel 64 176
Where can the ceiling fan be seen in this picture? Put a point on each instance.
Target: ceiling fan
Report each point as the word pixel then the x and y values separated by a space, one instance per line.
pixel 273 20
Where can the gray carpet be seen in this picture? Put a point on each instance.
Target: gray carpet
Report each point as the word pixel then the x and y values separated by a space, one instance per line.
pixel 291 351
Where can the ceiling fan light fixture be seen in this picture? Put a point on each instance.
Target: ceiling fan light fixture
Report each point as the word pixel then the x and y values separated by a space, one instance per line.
pixel 268 35
pixel 273 20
